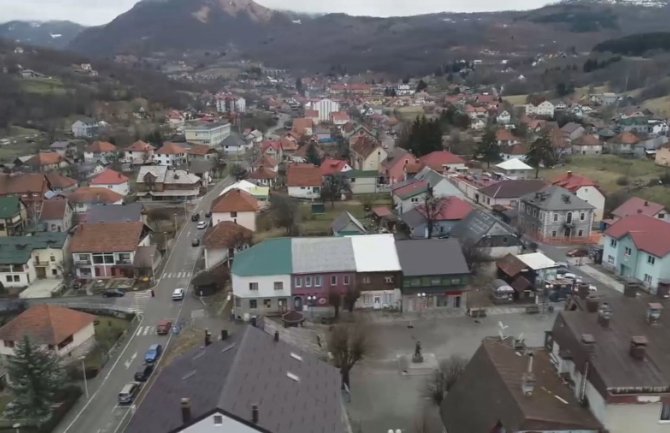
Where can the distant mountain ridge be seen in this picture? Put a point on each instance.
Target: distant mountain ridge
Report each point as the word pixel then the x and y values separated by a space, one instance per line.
pixel 49 34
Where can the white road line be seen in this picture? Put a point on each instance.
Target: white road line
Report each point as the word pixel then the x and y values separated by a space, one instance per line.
pixel 130 361
pixel 139 330
pixel 147 329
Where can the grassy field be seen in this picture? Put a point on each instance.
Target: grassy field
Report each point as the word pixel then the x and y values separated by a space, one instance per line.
pixel 659 106
pixel 43 86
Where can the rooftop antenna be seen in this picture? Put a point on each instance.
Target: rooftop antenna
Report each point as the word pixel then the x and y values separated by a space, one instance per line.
pixel 501 330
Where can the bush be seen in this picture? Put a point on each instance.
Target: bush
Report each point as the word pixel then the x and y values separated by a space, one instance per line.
pixel 68 397
pixel 623 181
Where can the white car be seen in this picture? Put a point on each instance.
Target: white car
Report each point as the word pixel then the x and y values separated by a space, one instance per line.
pixel 178 294
pixel 202 225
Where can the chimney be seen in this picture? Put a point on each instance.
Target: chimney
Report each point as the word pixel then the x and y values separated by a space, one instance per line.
pixel 208 337
pixel 638 347
pixel 528 378
pixel 592 303
pixel 588 341
pixel 276 337
pixel 654 310
pixel 185 411
pixel 224 334
pixel 604 314
pixel 646 203
pixel 569 173
pixel 254 414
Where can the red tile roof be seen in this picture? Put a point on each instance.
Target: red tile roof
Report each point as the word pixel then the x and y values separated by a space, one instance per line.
pixel 235 200
pixel 339 116
pixel 311 113
pixel 170 148
pixel 301 125
pixel 60 181
pixel 267 161
pixel 448 209
pixel 46 324
pixel 140 146
pixel 381 211
pixel 330 166
pixel 637 206
pixel 364 145
pixel 263 172
pixel 438 159
pixel 626 138
pixel 572 182
pixel 101 147
pixel 94 195
pixel 587 140
pixel 303 175
pixel 53 209
pixel 109 177
pixel 289 144
pixel 271 144
pixel 649 234
pixel 411 189
pixel 200 150
pixel 107 237
pixel 22 183
pixel 45 158
pixel 226 234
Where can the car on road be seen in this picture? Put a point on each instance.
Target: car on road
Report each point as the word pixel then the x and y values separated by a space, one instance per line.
pixel 142 375
pixel 202 225
pixel 129 392
pixel 163 327
pixel 208 214
pixel 562 265
pixel 178 294
pixel 113 293
pixel 195 217
pixel 195 242
pixel 153 353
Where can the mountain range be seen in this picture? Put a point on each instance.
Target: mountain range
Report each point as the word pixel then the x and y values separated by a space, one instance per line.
pixel 50 34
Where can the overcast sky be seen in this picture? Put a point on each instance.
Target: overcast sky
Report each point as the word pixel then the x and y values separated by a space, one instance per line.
pixel 94 12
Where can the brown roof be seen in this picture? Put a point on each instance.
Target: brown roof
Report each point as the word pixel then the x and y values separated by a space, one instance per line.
pixel 626 138
pixel 140 146
pixel 45 158
pixel 94 195
pixel 267 161
pixel 587 140
pixel 107 237
pixel 638 206
pixel 60 181
pixel 235 200
pixel 300 125
pixel 101 147
pixel 303 175
pixel 170 148
pixel 489 393
pixel 510 265
pixel 22 183
pixel 263 172
pixel 53 209
pixel 503 134
pixel 200 149
pixel 46 324
pixel 226 234
pixel 364 145
pixel 289 144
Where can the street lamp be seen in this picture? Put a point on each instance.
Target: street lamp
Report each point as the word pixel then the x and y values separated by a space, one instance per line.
pixel 83 373
pixel 422 301
pixel 17 426
pixel 311 299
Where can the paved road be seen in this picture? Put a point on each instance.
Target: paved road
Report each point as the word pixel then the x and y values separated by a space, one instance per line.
pixel 100 413
pixel 283 118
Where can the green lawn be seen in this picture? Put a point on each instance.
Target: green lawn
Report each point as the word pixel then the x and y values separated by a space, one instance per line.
pixel 109 329
pixel 43 86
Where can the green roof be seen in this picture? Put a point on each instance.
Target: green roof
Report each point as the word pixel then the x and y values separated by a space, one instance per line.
pixel 270 257
pixel 9 207
pixel 16 250
pixel 361 173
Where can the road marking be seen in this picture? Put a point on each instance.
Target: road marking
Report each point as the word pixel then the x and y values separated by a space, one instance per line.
pixel 130 361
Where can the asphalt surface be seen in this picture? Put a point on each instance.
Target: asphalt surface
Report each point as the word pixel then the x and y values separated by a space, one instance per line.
pixel 100 413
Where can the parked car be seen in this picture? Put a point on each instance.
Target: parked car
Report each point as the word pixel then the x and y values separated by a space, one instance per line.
pixel 208 214
pixel 578 252
pixel 153 353
pixel 143 374
pixel 202 225
pixel 129 392
pixel 113 293
pixel 195 217
pixel 178 294
pixel 563 265
pixel 163 327
pixel 195 242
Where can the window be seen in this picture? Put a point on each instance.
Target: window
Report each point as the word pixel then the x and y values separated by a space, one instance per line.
pixel 414 200
pixel 51 346
pixel 366 280
pixel 582 216
pixel 308 281
pixel 346 280
pixel 267 303
pixel 647 279
pixel 253 304
pixel 553 234
pixel 580 233
pixel 8 343
pixel 279 285
pixel 253 286
pixel 52 258
pixel 568 217
pixel 218 419
pixel 54 272
pixel 318 280
pixel 651 260
pixel 612 243
pixel 333 280
pixel 627 251
pixel 298 282
pixel 555 217
pixel 388 279
pixel 9 278
pixel 610 260
pixel 661 216
pixel 665 412
pixel 233 214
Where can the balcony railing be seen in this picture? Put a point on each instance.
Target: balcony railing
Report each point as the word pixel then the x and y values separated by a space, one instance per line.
pixel 39 263
pixel 86 262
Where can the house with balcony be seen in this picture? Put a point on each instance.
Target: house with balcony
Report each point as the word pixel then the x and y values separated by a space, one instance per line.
pixel 65 332
pixel 13 216
pixel 138 153
pixel 107 250
pixel 26 259
pixel 410 194
pixel 638 247
pixel 100 151
pixel 434 274
pixel 160 182
pixel 210 133
pixel 30 187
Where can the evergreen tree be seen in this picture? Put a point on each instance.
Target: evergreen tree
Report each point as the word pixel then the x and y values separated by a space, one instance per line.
pixel 312 155
pixel 488 149
pixel 299 86
pixel 35 378
pixel 540 153
pixel 421 86
pixel 425 136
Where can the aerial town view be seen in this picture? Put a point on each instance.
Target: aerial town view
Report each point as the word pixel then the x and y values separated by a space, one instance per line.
pixel 372 216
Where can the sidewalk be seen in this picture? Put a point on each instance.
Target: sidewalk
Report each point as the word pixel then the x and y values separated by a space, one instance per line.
pixel 602 277
pixel 384 317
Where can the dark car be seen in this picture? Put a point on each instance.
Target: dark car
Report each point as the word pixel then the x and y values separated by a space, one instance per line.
pixel 208 214
pixel 113 293
pixel 195 217
pixel 196 242
pixel 153 353
pixel 143 374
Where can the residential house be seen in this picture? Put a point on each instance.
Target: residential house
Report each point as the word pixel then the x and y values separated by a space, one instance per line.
pixel 107 250
pixel 339 118
pixel 514 169
pixel 587 145
pixel 518 151
pixel 64 332
pixel 504 118
pixel 56 215
pixel 443 161
pixel 273 149
pixel 13 216
pixel 378 271
pixel 302 127
pixel 260 193
pixel 82 129
pixel 253 136
pixel 443 214
pixel 304 181
pixel 46 161
pixel 201 152
pixel 513 389
pixel 100 151
pixel 408 195
pixel 507 193
pixel 138 153
pixel 237 206
pixel 210 133
pixel 222 398
pixel 394 167
pixel 584 188
pixel 363 182
pixel 230 104
pixel 235 145
pixel 572 131
pixel 345 224
pixel 555 214
pixel 505 138
pixel 490 236
pixel 261 279
pixel 543 109
pixel 176 119
pixel 434 274
pixel 478 124
pixel 625 143
pixel 321 267
pixel 30 187
pixel 83 198
pixel 367 153
pixel 102 213
pixel 223 240
pixel 440 184
pixel 204 169
pixel 639 206
pixel 638 247
pixel 312 115
pixel 29 258
pixel 527 273
pixel 171 155
pixel 614 352
pixel 60 183
pixel 263 176
pixel 163 183
pixel 62 147
pixel 112 180
pixel 333 167
pixel 662 156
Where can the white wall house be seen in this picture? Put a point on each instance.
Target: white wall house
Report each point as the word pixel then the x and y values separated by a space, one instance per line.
pixel 544 109
pixel 304 192
pixel 245 219
pixel 218 423
pixel 211 134
pixel 326 107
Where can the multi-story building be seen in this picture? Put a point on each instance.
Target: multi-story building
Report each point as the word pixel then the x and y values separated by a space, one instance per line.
pixel 325 107
pixel 29 258
pixel 584 188
pixel 211 134
pixel 13 216
pixel 171 155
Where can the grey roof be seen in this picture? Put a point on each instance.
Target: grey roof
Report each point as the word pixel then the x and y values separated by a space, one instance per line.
pixel 101 213
pixel 512 188
pixel 60 145
pixel 430 176
pixel 413 218
pixel 230 376
pixel 343 220
pixel 233 140
pixel 477 225
pixel 571 127
pixel 431 257
pixel 556 198
pixel 322 255
pixel 201 166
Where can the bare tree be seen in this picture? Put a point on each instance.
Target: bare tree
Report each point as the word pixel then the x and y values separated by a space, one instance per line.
pixel 348 343
pixel 285 212
pixel 443 378
pixel 474 256
pixel 335 299
pixel 350 298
